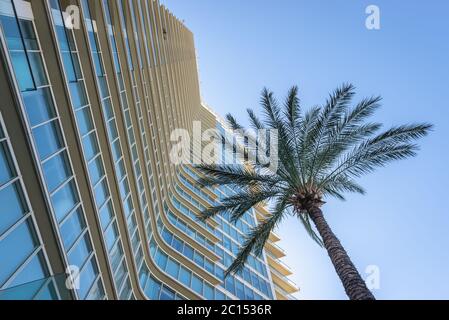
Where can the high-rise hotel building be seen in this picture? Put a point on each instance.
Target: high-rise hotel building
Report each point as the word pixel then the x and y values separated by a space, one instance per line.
pixel 91 207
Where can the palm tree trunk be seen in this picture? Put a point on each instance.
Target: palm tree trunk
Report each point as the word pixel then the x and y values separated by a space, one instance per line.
pixel 353 283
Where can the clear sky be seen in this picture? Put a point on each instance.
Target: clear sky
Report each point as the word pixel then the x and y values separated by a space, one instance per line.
pixel 402 224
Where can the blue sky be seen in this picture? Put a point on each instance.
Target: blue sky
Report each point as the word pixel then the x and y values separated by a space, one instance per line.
pixel 402 224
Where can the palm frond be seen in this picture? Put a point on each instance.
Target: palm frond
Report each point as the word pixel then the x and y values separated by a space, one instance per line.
pixel 232 122
pixel 256 240
pixel 237 175
pixel 254 120
pixel 238 204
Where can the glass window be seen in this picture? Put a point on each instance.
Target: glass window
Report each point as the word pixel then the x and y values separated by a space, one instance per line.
pixel 111 236
pixel 56 171
pixel 96 170
pixel 84 121
pixel 116 256
pixel 120 275
pixel 208 292
pixel 172 268
pixel 249 294
pixel 72 228
pixel 32 272
pixel 188 251
pixel 208 265
pixel 12 206
pixel 47 139
pixel 185 276
pixel 28 34
pixel 177 244
pixel 15 249
pixel 104 91
pixel 22 71
pixel 197 284
pixel 229 284
pixel 39 106
pixel 64 200
pixel 107 108
pixel 161 259
pixel 78 94
pixel 199 259
pixel 240 293
pixel 167 294
pixel 152 289
pixel 112 130
pixel 219 273
pixel 167 236
pixel 97 292
pixel 87 277
pixel 219 295
pixel 106 215
pixel 124 188
pixel 90 146
pixel 101 193
pixel 11 30
pixel 38 68
pixel 79 254
pixel 116 150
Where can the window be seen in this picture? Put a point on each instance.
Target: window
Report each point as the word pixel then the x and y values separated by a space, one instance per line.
pixel 39 106
pixel 47 139
pixel 71 229
pixel 167 294
pixel 229 284
pixel 153 288
pixel 80 252
pixel 188 251
pixel 101 193
pixel 209 266
pixel 172 268
pixel 90 146
pixel 84 121
pixel 12 206
pixel 240 293
pixel 56 171
pixel 199 259
pixel 161 259
pixel 64 200
pixel 208 291
pixel 185 276
pixel 111 235
pixel 8 248
pixel 33 271
pixel 87 277
pixel 197 284
pixel 78 94
pixel 106 215
pixel 96 170
pixel 177 244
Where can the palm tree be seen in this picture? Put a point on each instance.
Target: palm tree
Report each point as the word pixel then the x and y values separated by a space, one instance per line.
pixel 320 154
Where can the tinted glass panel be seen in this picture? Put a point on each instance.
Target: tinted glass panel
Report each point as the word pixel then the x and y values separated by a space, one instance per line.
pixel 6 171
pixel 47 139
pixel 64 200
pixel 56 171
pixel 72 228
pixel 13 255
pixel 12 207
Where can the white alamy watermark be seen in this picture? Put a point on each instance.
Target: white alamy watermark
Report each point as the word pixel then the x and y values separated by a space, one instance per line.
pixel 372 22
pixel 73 278
pixel 213 146
pixel 72 17
pixel 373 277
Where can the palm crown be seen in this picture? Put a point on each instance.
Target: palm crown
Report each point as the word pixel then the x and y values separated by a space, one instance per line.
pixel 321 153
